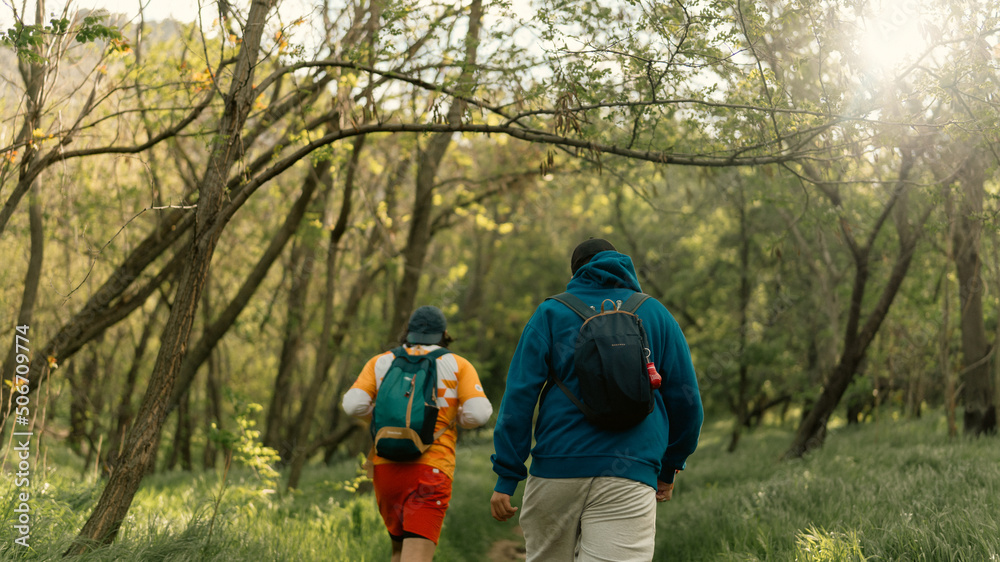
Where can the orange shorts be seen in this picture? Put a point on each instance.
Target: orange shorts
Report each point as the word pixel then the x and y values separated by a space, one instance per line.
pixel 412 499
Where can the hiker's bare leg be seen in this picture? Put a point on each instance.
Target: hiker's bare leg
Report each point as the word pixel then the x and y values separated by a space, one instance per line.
pixel 397 550
pixel 417 550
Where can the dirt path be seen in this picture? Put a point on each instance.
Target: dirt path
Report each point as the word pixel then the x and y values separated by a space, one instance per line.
pixel 507 550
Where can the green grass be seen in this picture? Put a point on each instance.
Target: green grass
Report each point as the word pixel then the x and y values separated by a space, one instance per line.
pixel 899 491
pixel 171 517
pixel 893 491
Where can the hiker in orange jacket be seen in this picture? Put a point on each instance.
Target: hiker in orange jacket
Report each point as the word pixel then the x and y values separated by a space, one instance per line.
pixel 413 496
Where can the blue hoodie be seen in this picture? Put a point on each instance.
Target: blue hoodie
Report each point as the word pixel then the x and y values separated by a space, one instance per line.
pixel 566 445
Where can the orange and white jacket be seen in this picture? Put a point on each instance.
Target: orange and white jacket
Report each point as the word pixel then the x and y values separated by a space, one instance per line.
pixel 460 397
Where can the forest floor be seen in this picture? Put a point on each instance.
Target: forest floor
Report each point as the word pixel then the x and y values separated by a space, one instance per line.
pixel 507 550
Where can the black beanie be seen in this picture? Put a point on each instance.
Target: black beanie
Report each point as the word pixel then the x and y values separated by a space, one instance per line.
pixel 587 250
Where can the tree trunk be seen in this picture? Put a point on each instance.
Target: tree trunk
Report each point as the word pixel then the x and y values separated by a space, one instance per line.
pixel 950 402
pixel 181 449
pixel 473 313
pixel 201 351
pixel 479 280
pixel 304 450
pixel 430 158
pixel 857 337
pixel 977 384
pixel 328 348
pixel 33 75
pixel 363 284
pixel 303 263
pixel 80 410
pixel 741 403
pixel 125 413
pixel 332 440
pixel 208 452
pixel 418 240
pixel 337 414
pixel 31 278
pixel 996 334
pixel 303 258
pixel 213 408
pixel 141 442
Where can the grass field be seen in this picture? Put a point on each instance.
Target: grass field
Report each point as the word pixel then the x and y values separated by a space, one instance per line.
pixel 892 491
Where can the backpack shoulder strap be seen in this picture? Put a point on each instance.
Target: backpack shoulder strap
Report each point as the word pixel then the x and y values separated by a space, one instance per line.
pixel 401 352
pixel 443 430
pixel 437 353
pixel 634 302
pixel 431 388
pixel 575 304
pixel 583 311
pixel 569 394
pixel 433 356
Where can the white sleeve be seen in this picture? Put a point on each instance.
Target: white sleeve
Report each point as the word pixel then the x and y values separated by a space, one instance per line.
pixel 357 402
pixel 475 412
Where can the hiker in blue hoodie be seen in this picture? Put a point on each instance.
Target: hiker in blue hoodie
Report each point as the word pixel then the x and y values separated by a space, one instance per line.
pixel 591 493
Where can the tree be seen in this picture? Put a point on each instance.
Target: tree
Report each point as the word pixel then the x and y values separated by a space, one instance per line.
pixel 427 166
pixel 861 327
pixel 978 392
pixel 970 86
pixel 143 438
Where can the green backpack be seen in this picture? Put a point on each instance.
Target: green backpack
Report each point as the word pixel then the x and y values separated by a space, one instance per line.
pixel 406 409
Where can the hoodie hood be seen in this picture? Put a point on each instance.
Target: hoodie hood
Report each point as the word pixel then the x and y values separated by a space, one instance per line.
pixel 607 270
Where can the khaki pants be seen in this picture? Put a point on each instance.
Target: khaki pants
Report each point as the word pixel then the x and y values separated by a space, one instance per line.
pixel 588 519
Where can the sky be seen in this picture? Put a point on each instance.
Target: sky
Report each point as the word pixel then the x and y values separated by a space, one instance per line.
pixel 183 10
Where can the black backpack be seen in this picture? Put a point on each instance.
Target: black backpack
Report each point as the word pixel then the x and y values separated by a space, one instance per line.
pixel 609 360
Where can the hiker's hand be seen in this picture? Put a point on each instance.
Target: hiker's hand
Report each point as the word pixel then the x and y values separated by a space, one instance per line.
pixel 500 507
pixel 664 491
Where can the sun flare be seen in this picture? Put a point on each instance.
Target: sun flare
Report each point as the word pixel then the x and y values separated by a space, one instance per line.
pixel 893 33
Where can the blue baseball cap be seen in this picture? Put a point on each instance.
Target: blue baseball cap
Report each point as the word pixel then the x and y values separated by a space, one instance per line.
pixel 427 325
